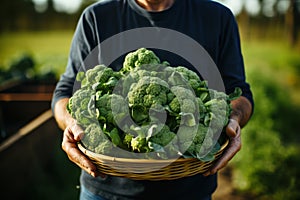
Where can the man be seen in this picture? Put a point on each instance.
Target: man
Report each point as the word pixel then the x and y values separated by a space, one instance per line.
pixel 211 25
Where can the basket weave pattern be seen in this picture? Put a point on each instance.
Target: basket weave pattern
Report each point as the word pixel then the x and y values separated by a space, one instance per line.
pixel 144 169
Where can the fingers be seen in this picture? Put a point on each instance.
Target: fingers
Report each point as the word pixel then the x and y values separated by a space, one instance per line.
pixel 233 130
pixel 79 159
pixel 77 131
pixel 72 135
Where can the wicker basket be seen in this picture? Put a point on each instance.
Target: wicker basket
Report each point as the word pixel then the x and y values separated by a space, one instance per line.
pixel 146 169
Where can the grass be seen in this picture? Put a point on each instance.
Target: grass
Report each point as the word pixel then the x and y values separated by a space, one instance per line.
pixel 276 58
pixel 49 49
pixel 268 163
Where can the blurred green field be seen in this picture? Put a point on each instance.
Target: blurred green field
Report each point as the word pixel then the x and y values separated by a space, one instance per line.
pixel 48 49
pixel 277 59
pixel 267 165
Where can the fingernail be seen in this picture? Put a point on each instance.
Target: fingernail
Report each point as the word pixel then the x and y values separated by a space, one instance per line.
pixel 93 174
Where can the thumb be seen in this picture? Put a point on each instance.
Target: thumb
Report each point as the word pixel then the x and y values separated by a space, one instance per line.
pixel 77 132
pixel 232 127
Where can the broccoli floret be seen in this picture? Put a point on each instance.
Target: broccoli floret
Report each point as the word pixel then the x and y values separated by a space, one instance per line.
pixel 99 74
pixel 103 104
pixel 185 135
pixel 183 93
pixel 105 148
pixel 184 105
pixel 148 91
pixel 190 76
pixel 140 144
pixel 195 140
pixel 163 137
pixel 183 97
pixel 218 112
pixel 93 136
pixel 112 108
pixel 175 105
pixel 81 106
pixel 138 58
pixel 188 106
pixel 100 78
pixel 119 108
pixel 127 140
pixel 164 143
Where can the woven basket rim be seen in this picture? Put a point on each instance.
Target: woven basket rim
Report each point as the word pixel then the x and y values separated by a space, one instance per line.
pixel 136 160
pixel 150 169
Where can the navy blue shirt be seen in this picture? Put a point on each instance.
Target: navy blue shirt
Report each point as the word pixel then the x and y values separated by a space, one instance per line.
pixel 209 23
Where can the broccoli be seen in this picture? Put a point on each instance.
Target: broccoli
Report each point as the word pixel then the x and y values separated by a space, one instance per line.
pixel 184 100
pixel 150 106
pixel 103 104
pixel 140 144
pixel 127 140
pixel 184 105
pixel 148 91
pixel 93 136
pixel 164 142
pixel 105 148
pixel 154 137
pixel 185 135
pixel 112 108
pixel 81 106
pixel 208 148
pixel 190 76
pixel 163 137
pixel 217 113
pixel 99 78
pixel 174 105
pixel 197 142
pixel 138 58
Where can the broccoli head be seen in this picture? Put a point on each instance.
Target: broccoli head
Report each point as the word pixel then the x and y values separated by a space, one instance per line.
pixel 81 106
pixel 138 58
pixel 112 108
pixel 148 91
pixel 164 143
pixel 163 137
pixel 93 136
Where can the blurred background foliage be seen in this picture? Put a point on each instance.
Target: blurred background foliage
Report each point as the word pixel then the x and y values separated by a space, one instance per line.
pixel 35 37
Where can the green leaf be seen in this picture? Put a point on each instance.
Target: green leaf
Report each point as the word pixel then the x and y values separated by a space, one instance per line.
pixel 156 147
pixel 236 94
pixel 139 113
pixel 188 119
pixel 114 136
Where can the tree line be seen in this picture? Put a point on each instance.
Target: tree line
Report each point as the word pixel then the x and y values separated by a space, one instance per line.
pixel 16 15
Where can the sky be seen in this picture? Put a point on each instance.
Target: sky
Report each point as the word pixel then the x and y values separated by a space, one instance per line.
pixel 252 6
pixel 69 6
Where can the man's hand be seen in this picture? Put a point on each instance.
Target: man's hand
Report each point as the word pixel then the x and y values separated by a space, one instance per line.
pixel 233 131
pixel 73 134
pixel 241 113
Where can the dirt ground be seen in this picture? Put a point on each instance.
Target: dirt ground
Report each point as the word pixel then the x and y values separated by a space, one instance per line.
pixel 225 190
